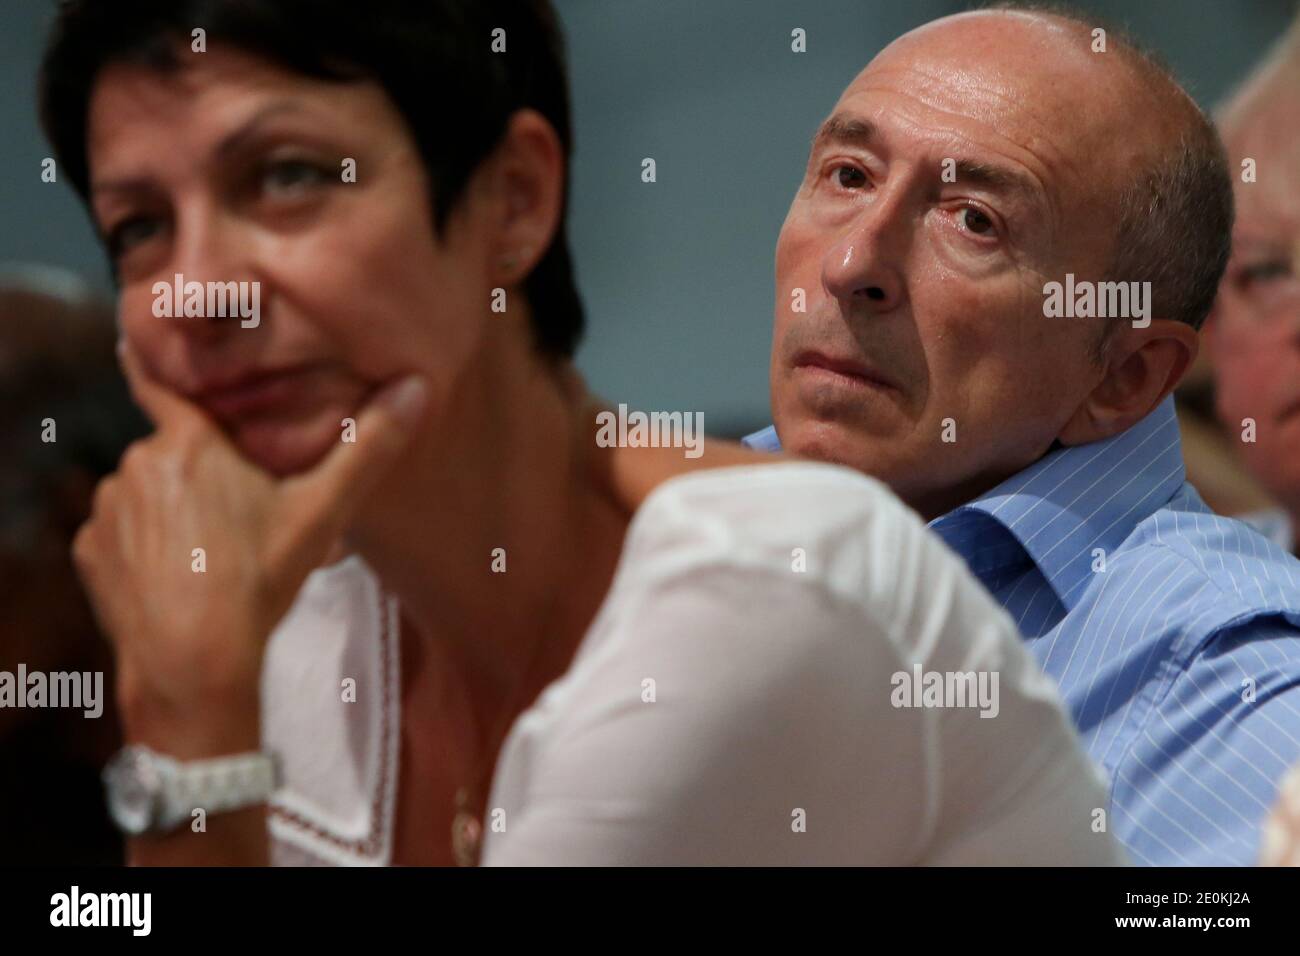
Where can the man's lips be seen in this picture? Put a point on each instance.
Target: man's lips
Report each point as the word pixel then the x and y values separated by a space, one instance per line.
pixel 847 371
pixel 251 392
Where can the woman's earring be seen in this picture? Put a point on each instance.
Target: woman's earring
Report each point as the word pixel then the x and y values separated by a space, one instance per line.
pixel 510 260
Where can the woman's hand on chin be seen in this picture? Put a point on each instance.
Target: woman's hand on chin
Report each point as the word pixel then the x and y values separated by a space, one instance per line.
pixel 192 555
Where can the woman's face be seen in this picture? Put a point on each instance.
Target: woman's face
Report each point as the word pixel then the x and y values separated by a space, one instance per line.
pixel 232 169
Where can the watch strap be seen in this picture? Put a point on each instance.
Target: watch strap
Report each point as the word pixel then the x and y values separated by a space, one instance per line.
pixel 214 785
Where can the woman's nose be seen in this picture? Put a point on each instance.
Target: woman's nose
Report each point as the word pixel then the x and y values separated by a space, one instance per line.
pixel 212 273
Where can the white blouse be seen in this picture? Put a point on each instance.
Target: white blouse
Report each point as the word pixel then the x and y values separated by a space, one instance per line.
pixel 789 668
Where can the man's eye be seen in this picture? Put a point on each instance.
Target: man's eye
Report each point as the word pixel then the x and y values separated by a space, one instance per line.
pixel 975 221
pixel 850 177
pixel 290 176
pixel 1261 272
pixel 129 233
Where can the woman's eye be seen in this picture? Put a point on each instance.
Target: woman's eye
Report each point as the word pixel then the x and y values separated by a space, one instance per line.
pixel 130 233
pixel 975 221
pixel 290 176
pixel 850 177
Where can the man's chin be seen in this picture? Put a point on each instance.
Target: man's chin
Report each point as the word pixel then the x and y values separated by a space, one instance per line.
pixel 837 443
pixel 844 433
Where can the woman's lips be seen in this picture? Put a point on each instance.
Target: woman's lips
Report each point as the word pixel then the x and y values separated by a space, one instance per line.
pixel 254 394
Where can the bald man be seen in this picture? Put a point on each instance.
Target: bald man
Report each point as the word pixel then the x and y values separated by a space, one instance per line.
pixel 947 320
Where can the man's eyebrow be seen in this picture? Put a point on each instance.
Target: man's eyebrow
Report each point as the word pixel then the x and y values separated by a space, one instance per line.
pixel 845 130
pixel 999 178
pixel 228 145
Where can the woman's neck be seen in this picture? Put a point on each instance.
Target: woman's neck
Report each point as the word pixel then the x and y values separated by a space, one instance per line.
pixel 499 536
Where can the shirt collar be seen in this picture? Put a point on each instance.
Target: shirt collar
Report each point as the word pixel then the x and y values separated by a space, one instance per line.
pixel 1075 500
pixel 763 440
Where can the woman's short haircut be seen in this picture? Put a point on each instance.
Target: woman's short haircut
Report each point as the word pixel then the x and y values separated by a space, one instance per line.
pixel 434 59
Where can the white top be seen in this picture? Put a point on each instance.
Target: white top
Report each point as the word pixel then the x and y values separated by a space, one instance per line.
pixel 338 742
pixel 739 699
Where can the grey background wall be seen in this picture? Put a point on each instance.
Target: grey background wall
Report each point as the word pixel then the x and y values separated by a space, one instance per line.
pixel 677 275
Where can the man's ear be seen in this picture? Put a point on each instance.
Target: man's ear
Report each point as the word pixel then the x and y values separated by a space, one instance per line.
pixel 528 180
pixel 1141 367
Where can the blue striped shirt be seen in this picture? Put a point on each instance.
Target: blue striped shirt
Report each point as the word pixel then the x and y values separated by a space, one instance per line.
pixel 1173 634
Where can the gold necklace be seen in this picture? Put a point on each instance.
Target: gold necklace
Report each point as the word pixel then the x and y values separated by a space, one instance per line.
pixel 466 831
pixel 466 824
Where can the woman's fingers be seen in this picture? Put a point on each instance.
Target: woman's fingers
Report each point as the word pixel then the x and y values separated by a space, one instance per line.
pixel 325 498
pixel 311 509
pixel 164 406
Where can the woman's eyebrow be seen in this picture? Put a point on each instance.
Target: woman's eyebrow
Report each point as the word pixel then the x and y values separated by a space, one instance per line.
pixel 129 184
pixel 233 141
pixel 229 144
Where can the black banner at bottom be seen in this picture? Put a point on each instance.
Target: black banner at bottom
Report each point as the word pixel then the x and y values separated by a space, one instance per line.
pixel 334 906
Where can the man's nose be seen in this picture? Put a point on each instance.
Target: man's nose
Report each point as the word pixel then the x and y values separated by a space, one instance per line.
pixel 863 267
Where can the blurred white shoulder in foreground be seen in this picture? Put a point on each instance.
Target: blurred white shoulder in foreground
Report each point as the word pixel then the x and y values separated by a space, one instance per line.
pixel 788 669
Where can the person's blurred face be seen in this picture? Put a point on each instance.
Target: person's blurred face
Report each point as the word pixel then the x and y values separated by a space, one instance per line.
pixel 924 298
pixel 1254 331
pixel 230 170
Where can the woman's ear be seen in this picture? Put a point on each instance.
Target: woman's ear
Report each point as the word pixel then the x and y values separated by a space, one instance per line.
pixel 1142 366
pixel 529 182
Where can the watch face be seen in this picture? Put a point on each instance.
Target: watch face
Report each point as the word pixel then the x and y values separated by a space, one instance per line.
pixel 134 788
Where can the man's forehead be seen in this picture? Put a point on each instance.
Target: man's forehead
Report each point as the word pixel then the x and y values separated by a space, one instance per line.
pixel 1024 78
pixel 1017 83
pixel 1259 132
pixel 968 98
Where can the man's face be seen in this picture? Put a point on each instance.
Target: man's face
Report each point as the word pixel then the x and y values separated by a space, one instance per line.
pixel 1254 332
pixel 923 356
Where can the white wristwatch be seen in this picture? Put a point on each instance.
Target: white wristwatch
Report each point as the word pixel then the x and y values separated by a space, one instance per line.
pixel 149 792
